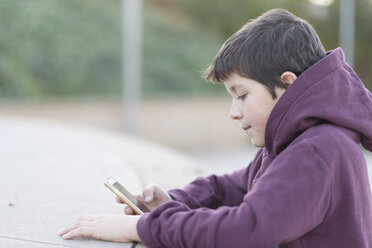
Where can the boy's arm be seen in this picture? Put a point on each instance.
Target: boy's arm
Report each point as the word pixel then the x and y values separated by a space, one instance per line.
pixel 290 199
pixel 215 191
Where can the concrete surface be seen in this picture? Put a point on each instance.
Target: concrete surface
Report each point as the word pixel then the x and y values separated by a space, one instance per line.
pixel 51 174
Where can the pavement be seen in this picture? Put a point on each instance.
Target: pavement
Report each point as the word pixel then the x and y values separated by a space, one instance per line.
pixel 53 173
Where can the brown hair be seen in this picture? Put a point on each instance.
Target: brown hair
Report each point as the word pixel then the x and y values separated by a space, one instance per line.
pixel 265 47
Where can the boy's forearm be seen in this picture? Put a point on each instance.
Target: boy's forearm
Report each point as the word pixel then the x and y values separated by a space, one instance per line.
pixel 206 191
pixel 132 228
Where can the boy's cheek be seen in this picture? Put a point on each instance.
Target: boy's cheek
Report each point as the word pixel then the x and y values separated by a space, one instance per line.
pixel 257 119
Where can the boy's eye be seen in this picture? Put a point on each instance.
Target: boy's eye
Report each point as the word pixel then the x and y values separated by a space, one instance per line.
pixel 242 97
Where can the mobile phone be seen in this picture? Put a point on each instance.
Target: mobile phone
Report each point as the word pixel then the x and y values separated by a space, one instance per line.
pixel 125 196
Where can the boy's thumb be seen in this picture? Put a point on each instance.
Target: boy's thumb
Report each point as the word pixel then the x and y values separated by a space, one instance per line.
pixel 148 198
pixel 148 193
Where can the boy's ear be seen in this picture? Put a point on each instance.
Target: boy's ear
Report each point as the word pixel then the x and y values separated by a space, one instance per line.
pixel 288 78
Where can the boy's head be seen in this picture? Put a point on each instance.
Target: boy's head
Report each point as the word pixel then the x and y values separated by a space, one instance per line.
pixel 265 47
pixel 259 62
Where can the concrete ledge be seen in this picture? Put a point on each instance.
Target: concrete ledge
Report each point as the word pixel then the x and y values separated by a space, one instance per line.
pixel 53 173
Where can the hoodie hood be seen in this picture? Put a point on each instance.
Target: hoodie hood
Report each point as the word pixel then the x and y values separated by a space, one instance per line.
pixel 327 92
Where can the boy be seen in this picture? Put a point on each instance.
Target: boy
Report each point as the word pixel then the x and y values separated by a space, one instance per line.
pixel 307 185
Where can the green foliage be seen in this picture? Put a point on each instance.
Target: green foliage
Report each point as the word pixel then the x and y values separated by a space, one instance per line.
pixel 51 47
pixel 73 47
pixel 226 17
pixel 175 53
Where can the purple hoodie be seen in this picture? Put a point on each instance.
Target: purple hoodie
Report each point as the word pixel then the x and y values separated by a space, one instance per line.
pixel 307 188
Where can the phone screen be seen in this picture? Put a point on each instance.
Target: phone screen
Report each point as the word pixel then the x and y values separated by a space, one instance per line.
pixel 112 181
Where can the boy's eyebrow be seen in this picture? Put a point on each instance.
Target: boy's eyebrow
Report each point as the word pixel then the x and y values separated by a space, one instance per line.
pixel 234 87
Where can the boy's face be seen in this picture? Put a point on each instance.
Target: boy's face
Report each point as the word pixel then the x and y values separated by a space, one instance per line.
pixel 251 105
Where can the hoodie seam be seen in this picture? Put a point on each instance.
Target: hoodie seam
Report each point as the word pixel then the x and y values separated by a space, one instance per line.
pixel 331 186
pixel 302 243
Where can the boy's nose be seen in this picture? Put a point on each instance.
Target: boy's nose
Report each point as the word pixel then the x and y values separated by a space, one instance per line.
pixel 235 113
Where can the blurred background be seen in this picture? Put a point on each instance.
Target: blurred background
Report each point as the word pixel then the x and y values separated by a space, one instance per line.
pixel 64 60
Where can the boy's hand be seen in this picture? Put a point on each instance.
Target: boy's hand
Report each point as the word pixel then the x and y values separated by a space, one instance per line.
pixel 152 196
pixel 119 228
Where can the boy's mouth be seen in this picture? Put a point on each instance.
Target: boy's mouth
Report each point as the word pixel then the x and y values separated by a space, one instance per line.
pixel 246 128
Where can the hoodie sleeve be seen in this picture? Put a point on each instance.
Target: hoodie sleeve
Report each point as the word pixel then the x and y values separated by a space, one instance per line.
pixel 291 198
pixel 215 191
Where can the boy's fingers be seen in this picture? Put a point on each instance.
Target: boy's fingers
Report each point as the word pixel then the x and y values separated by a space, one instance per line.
pixel 80 227
pixel 80 231
pixel 128 210
pixel 71 234
pixel 76 224
pixel 149 192
pixel 118 200
pixel 67 229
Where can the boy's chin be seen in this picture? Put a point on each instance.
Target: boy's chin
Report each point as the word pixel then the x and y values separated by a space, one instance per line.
pixel 257 143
